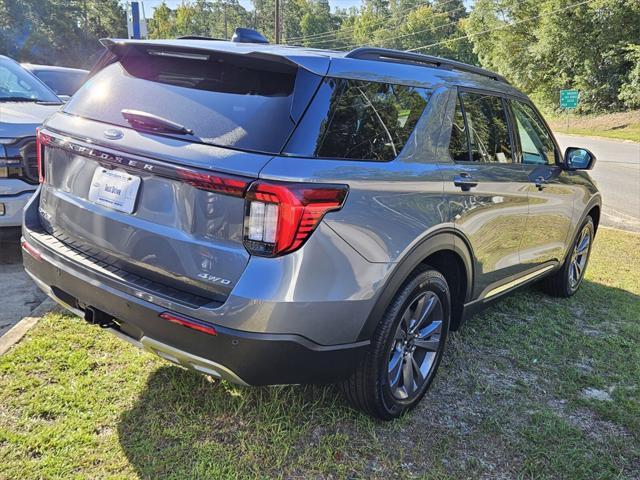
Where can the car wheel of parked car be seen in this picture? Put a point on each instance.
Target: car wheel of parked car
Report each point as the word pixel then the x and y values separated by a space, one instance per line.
pixel 566 281
pixel 406 348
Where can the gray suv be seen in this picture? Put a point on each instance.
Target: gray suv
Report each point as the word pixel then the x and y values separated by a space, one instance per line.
pixel 274 215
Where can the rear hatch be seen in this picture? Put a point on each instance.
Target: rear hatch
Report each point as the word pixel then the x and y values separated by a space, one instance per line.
pixel 146 167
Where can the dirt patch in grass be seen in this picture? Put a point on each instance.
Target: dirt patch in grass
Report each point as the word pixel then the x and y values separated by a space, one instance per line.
pixel 508 402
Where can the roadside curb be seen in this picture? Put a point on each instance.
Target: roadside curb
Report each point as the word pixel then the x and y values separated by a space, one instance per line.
pixel 19 330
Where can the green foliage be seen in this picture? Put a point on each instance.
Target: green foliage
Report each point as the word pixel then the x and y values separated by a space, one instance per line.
pixel 630 89
pixel 547 46
pixel 402 24
pixel 61 32
pixel 217 19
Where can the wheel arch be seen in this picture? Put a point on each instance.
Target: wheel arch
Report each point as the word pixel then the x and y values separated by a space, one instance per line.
pixel 594 213
pixel 446 251
pixel 593 209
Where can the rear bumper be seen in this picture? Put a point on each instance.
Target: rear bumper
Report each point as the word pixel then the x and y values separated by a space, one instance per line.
pixel 235 355
pixel 11 207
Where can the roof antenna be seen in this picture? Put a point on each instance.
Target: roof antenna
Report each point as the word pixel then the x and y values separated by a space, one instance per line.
pixel 248 35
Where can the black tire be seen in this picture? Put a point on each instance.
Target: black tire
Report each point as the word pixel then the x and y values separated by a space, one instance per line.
pixel 563 283
pixel 372 387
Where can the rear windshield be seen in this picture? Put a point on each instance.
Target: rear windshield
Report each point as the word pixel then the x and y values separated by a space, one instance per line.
pixel 353 119
pixel 226 100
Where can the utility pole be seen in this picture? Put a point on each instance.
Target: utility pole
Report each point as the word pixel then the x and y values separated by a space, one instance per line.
pixel 226 36
pixel 277 26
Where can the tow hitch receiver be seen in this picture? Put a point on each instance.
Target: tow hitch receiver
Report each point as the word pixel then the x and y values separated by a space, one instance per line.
pixel 98 317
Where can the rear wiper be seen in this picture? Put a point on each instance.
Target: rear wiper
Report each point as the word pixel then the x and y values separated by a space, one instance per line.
pixel 149 122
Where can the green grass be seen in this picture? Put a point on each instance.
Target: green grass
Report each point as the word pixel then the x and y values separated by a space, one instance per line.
pixel 508 402
pixel 621 126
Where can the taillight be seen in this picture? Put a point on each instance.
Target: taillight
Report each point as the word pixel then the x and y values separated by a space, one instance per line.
pixel 227 184
pixel 280 217
pixel 42 139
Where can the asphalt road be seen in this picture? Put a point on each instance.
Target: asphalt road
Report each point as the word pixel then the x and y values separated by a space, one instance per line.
pixel 617 173
pixel 19 294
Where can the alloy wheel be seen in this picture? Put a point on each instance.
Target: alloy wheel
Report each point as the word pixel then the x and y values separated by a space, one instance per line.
pixel 579 257
pixel 415 345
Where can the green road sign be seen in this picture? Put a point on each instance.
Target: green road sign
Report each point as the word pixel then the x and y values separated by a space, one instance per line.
pixel 569 98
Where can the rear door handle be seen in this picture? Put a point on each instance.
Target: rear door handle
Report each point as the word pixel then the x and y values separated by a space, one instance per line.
pixel 464 181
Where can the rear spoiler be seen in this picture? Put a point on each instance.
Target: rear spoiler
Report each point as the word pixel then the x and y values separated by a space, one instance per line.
pixel 106 58
pixel 115 48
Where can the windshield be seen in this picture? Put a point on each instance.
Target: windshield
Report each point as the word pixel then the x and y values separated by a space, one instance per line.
pixel 61 82
pixel 16 85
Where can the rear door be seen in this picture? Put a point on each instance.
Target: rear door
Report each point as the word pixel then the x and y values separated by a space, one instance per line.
pixel 487 190
pixel 148 198
pixel 550 195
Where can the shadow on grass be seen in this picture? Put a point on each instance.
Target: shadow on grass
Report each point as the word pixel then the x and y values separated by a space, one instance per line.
pixel 185 426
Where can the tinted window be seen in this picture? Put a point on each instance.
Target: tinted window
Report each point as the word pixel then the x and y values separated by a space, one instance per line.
pixel 459 144
pixel 535 140
pixel 488 128
pixel 228 100
pixel 353 119
pixel 62 83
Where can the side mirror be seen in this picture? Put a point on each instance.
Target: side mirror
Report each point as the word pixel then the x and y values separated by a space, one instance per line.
pixel 578 159
pixel 64 98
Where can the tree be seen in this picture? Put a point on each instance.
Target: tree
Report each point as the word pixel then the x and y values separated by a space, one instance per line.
pixel 543 47
pixel 162 24
pixel 630 89
pixel 61 32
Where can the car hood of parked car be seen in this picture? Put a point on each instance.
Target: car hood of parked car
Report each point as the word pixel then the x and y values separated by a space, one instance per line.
pixel 20 119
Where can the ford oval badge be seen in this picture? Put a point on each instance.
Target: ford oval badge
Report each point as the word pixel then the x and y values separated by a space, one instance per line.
pixel 113 134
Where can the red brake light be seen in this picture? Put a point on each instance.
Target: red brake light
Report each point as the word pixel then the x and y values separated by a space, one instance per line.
pixel 189 323
pixel 280 217
pixel 42 139
pixel 227 184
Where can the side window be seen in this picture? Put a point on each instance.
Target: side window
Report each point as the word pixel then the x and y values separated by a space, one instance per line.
pixel 535 140
pixel 488 128
pixel 369 121
pixel 459 143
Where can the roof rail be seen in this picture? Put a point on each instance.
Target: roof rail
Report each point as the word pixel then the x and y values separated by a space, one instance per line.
pixel 389 55
pixel 199 37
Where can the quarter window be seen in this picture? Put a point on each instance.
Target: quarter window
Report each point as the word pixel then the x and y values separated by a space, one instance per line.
pixel 536 143
pixel 352 119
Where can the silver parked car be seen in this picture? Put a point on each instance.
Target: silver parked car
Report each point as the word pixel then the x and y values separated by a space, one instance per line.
pixel 267 214
pixel 64 81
